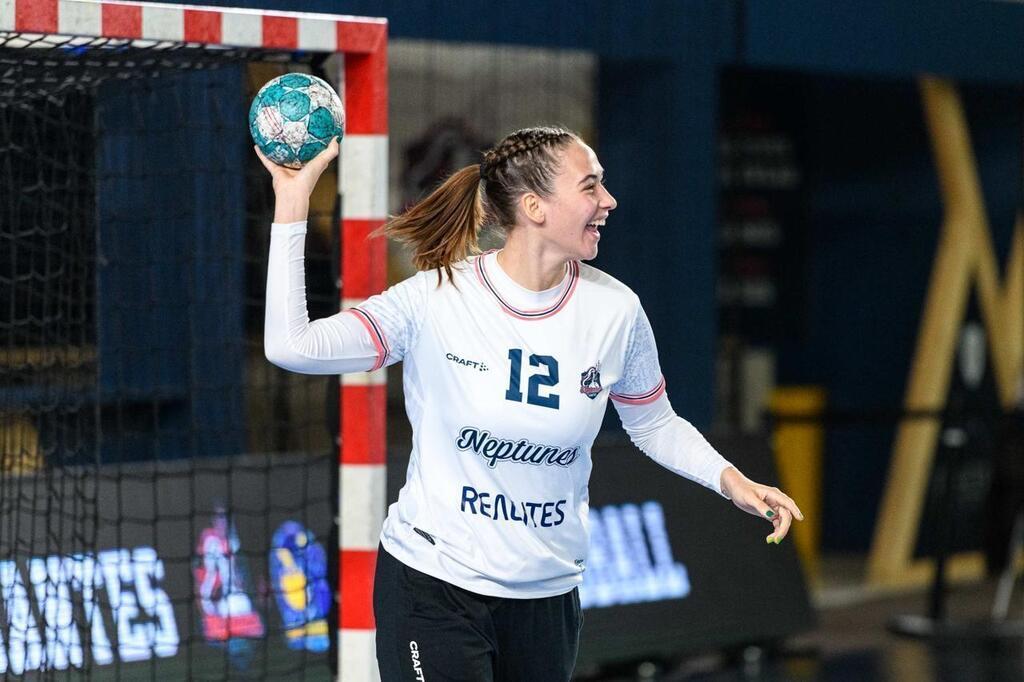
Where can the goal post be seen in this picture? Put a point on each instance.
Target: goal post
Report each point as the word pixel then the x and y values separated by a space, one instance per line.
pixel 360 69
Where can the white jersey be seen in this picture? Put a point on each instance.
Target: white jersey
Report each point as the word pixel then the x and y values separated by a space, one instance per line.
pixel 506 390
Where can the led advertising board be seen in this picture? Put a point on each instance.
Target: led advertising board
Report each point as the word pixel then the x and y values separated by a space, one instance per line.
pixel 676 569
pixel 208 568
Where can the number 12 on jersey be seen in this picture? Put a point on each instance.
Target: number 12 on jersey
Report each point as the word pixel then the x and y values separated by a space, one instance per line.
pixel 533 396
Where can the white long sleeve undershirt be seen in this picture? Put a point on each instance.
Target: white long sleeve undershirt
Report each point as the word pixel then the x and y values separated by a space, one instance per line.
pixel 673 442
pixel 333 345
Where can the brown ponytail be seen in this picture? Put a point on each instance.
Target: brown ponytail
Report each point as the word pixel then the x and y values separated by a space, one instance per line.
pixel 443 228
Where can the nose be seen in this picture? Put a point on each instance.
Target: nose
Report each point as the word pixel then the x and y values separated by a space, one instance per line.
pixel 608 202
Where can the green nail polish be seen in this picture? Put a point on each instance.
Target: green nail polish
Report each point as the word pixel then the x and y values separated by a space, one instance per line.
pixel 768 540
pixel 769 514
pixel 778 541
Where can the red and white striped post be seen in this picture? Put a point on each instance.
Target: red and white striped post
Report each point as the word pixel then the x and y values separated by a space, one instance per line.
pixel 363 182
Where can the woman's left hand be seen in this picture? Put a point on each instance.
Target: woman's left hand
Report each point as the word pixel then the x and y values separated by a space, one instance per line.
pixel 761 500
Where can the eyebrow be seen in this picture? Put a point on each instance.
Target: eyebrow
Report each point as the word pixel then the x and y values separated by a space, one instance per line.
pixel 592 176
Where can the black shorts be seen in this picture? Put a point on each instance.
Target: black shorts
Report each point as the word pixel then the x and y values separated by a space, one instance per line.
pixel 432 631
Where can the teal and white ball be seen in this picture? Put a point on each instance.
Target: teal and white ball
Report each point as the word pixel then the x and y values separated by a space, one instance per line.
pixel 294 117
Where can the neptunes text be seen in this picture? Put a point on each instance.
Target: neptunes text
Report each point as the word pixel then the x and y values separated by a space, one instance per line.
pixel 496 450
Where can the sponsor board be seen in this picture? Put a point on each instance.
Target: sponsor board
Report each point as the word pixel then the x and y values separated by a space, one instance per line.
pixel 176 585
pixel 67 611
pixel 630 559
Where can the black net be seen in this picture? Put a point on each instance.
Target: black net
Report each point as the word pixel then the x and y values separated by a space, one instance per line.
pixel 165 494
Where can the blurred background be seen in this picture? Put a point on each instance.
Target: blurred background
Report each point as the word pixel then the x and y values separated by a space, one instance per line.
pixel 819 207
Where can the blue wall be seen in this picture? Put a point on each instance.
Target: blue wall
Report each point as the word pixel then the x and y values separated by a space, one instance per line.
pixel 170 272
pixel 963 40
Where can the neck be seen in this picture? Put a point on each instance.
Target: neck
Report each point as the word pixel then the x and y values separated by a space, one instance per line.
pixel 531 266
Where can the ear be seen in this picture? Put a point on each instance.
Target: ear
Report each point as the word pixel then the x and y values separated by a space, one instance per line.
pixel 532 209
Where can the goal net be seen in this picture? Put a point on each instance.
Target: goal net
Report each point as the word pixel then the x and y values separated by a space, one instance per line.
pixel 166 496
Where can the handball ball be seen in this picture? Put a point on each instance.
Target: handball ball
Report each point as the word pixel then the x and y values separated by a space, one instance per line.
pixel 294 117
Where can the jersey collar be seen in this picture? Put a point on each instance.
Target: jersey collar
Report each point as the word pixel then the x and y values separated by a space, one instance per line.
pixel 495 281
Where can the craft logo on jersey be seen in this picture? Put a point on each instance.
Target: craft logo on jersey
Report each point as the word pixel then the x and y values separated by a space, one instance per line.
pixel 590 381
pixel 474 364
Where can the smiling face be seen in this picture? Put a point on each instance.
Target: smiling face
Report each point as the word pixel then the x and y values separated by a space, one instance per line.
pixel 575 211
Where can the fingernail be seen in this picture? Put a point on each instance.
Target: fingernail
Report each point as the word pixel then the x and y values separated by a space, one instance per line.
pixel 770 514
pixel 768 539
pixel 778 541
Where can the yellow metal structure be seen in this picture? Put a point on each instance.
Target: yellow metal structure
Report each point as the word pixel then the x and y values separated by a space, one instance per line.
pixel 798 441
pixel 965 259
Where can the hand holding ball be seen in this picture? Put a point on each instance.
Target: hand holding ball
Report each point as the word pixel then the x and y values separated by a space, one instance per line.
pixel 296 121
pixel 294 117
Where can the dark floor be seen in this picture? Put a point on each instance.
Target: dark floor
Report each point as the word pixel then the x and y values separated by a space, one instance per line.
pixel 853 644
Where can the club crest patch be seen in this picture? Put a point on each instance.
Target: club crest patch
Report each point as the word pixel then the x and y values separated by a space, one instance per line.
pixel 590 381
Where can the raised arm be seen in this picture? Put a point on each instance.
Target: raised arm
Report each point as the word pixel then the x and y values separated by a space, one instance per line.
pixel 334 345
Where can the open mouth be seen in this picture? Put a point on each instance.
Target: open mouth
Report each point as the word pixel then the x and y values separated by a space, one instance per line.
pixel 595 228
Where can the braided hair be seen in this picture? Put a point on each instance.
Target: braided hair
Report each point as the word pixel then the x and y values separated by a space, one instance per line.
pixel 523 162
pixel 444 228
